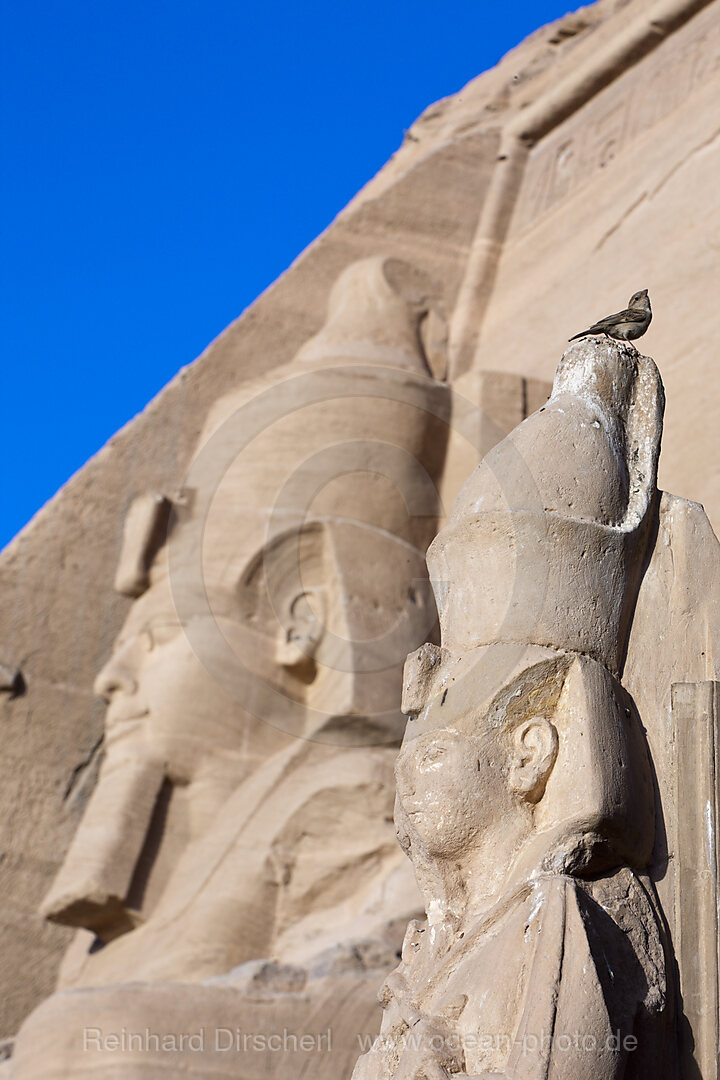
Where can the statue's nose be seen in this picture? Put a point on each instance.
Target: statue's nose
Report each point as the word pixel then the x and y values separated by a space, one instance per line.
pixel 404 774
pixel 115 677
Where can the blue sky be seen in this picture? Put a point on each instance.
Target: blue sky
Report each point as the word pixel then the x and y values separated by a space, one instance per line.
pixel 164 161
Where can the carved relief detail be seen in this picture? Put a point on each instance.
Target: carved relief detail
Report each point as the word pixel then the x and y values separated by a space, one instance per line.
pixel 616 118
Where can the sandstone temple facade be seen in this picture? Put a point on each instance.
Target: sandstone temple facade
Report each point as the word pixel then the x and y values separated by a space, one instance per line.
pixel 361 697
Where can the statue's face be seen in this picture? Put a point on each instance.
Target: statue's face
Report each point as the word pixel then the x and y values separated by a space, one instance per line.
pixel 451 787
pixel 154 681
pixel 177 712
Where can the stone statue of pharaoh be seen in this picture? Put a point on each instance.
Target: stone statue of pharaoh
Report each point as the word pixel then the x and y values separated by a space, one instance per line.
pixel 243 811
pixel 524 786
pixel 529 822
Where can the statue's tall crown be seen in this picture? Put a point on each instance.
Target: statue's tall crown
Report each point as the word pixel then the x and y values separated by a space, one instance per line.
pixel 544 542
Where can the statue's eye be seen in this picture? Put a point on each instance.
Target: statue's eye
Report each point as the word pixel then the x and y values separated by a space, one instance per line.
pixel 161 633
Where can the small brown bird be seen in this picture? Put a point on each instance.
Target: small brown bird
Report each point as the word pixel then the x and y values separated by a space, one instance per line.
pixel 625 325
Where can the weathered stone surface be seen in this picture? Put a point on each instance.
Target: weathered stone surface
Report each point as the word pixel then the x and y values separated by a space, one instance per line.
pixel 534 201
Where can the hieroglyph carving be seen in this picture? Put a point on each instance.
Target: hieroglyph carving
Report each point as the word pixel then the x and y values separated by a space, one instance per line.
pixel 619 116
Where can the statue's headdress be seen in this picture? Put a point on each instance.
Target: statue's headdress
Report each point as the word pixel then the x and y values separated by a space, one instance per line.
pixel 545 541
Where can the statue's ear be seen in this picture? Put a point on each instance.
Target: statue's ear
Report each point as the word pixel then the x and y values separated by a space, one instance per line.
pixel 300 628
pixel 533 754
pixel 284 593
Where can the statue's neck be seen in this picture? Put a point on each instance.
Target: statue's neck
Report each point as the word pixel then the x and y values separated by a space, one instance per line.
pixel 460 889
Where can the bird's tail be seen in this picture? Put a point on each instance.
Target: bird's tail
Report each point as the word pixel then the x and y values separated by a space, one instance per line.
pixel 576 336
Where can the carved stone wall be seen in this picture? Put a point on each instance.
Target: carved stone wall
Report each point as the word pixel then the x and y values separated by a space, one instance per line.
pixel 622 195
pixel 617 181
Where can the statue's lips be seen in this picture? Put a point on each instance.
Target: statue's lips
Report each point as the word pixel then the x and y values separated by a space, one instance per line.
pixel 125 714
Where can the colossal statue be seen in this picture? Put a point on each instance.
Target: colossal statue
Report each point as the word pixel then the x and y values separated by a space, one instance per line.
pixel 243 812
